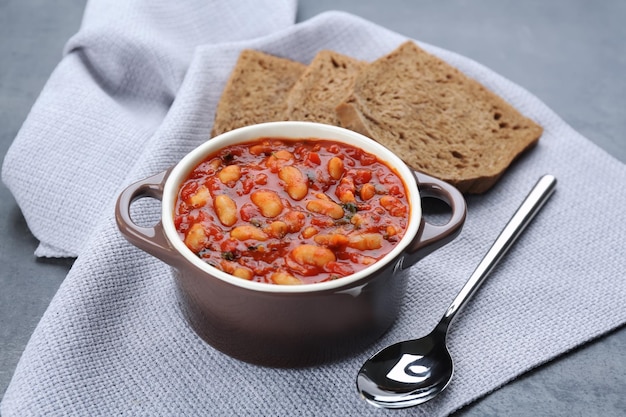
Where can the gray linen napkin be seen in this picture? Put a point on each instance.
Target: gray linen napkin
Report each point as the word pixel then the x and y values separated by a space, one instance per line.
pixel 137 90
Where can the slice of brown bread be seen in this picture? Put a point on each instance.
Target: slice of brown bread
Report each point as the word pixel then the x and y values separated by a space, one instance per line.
pixel 438 120
pixel 256 91
pixel 326 82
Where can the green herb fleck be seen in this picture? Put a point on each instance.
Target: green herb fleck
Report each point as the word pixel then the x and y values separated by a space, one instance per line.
pixel 228 255
pixel 228 158
pixel 350 207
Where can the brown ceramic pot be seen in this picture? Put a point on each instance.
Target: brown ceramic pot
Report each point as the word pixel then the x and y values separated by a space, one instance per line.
pixel 281 325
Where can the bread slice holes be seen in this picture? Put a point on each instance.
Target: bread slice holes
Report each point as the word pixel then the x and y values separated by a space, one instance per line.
pixel 457 155
pixel 497 116
pixel 337 64
pixel 503 125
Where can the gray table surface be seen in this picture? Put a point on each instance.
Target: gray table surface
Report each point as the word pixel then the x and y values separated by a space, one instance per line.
pixel 569 53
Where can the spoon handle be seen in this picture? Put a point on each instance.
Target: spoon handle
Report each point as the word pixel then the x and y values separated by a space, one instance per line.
pixel 522 217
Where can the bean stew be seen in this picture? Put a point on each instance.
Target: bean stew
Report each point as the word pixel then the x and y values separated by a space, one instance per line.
pixel 291 212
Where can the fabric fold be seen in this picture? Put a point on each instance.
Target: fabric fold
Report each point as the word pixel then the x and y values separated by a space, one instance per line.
pixel 105 100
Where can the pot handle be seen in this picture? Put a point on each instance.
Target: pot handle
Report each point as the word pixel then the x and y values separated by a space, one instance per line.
pixel 150 239
pixel 431 237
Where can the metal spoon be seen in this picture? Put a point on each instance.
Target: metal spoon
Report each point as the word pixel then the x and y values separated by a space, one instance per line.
pixel 414 371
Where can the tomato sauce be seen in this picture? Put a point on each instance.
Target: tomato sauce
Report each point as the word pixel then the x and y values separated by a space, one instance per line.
pixel 291 212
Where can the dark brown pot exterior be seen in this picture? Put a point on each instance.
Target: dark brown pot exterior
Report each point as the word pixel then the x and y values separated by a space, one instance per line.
pixel 280 328
pixel 290 330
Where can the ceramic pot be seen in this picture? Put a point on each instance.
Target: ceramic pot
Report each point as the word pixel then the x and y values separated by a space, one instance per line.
pixel 285 325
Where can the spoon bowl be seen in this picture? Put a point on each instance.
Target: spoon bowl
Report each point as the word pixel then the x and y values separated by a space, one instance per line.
pixel 412 372
pixel 407 373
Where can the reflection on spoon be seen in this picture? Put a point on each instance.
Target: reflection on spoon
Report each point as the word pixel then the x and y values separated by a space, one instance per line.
pixel 414 371
pixel 409 370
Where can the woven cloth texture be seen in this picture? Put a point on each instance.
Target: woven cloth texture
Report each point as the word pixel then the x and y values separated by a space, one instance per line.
pixel 136 90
